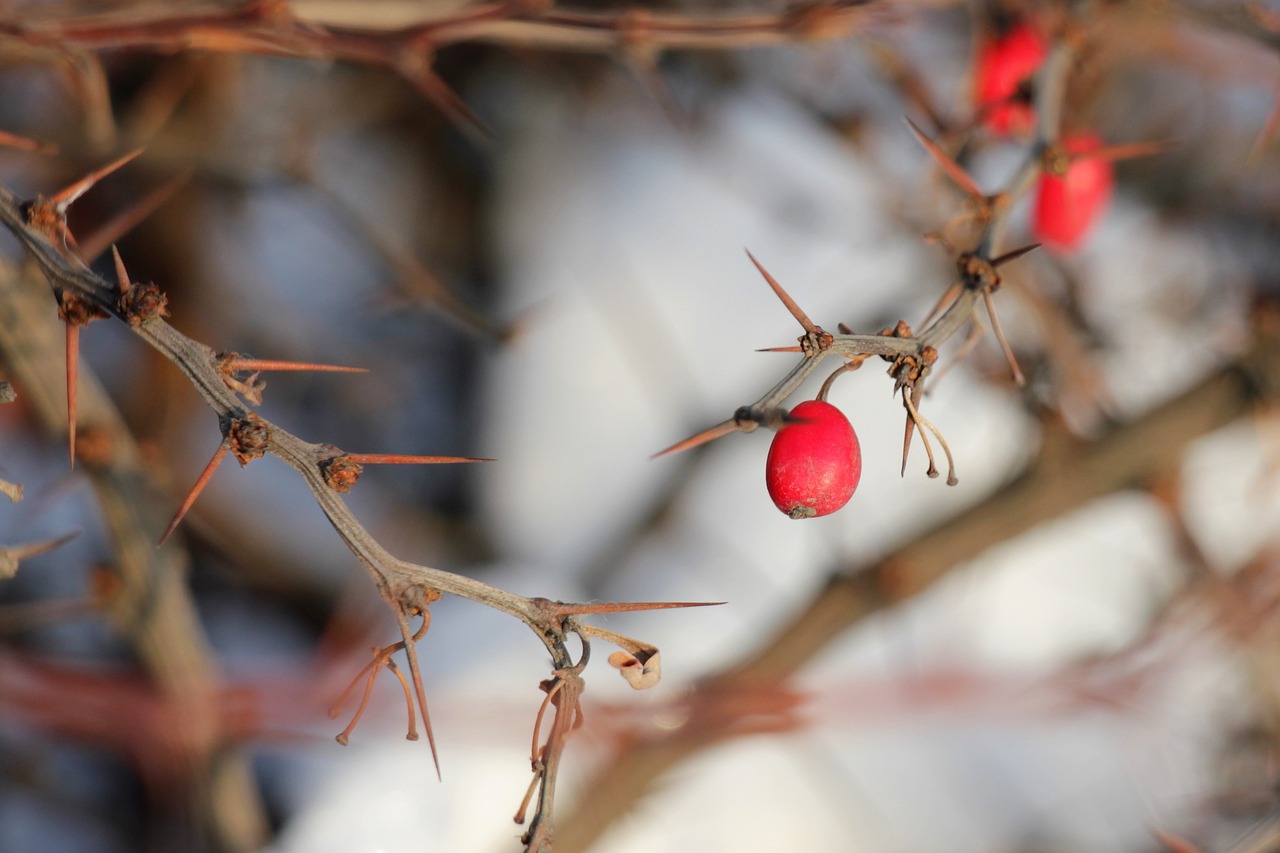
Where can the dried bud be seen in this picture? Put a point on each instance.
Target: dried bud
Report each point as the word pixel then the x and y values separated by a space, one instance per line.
pixel 248 438
pixel 77 311
pixel 143 302
pixel 42 214
pixel 341 472
pixel 978 273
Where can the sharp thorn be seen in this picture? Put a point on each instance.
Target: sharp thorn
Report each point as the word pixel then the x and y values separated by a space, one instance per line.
pixel 958 175
pixel 122 274
pixel 65 197
pixel 399 459
pixel 267 364
pixel 1014 255
pixel 196 489
pixel 801 317
pixel 707 435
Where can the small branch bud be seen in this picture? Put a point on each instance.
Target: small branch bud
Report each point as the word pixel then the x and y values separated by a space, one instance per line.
pixel 248 438
pixel 142 302
pixel 341 472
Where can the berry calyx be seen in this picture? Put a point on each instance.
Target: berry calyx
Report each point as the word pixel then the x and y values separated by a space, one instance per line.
pixel 1067 205
pixel 815 461
pixel 1003 78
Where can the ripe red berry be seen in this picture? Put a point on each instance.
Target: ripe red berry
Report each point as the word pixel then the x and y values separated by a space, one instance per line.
pixel 1004 67
pixel 1067 205
pixel 814 462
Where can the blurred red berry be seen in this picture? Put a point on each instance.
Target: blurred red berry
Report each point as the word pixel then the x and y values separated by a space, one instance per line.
pixel 1067 205
pixel 814 462
pixel 1004 67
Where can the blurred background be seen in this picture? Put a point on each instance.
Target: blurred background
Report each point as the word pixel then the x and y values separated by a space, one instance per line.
pixel 538 253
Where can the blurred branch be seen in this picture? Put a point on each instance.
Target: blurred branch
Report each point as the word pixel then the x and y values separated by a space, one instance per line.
pixel 153 606
pixel 315 31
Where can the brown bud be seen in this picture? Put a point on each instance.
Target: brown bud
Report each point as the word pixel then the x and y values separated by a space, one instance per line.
pixel 248 438
pixel 341 472
pixel 978 273
pixel 76 311
pixel 143 302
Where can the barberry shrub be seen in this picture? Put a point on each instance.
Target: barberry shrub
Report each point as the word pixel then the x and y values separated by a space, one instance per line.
pixel 360 238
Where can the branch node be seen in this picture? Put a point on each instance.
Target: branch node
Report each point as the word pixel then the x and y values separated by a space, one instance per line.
pixel 248 437
pixel 141 303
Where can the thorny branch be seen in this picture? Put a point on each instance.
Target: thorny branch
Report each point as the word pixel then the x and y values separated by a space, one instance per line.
pixel 407 587
pixel 911 355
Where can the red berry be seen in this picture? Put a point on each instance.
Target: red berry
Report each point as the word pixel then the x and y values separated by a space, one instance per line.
pixel 814 462
pixel 1067 205
pixel 1004 66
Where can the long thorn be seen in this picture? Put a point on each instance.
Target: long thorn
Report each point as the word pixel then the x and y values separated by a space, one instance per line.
pixel 1014 255
pixel 709 434
pixel 451 104
pixel 66 196
pixel 906 444
pixel 415 671
pixel 801 317
pixel 958 175
pixel 73 369
pixel 238 364
pixel 22 143
pixel 398 459
pixel 1124 152
pixel 201 482
pixel 1004 344
pixel 35 549
pixel 569 609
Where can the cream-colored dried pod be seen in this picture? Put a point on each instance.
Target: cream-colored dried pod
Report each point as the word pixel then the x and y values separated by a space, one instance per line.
pixel 639 674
